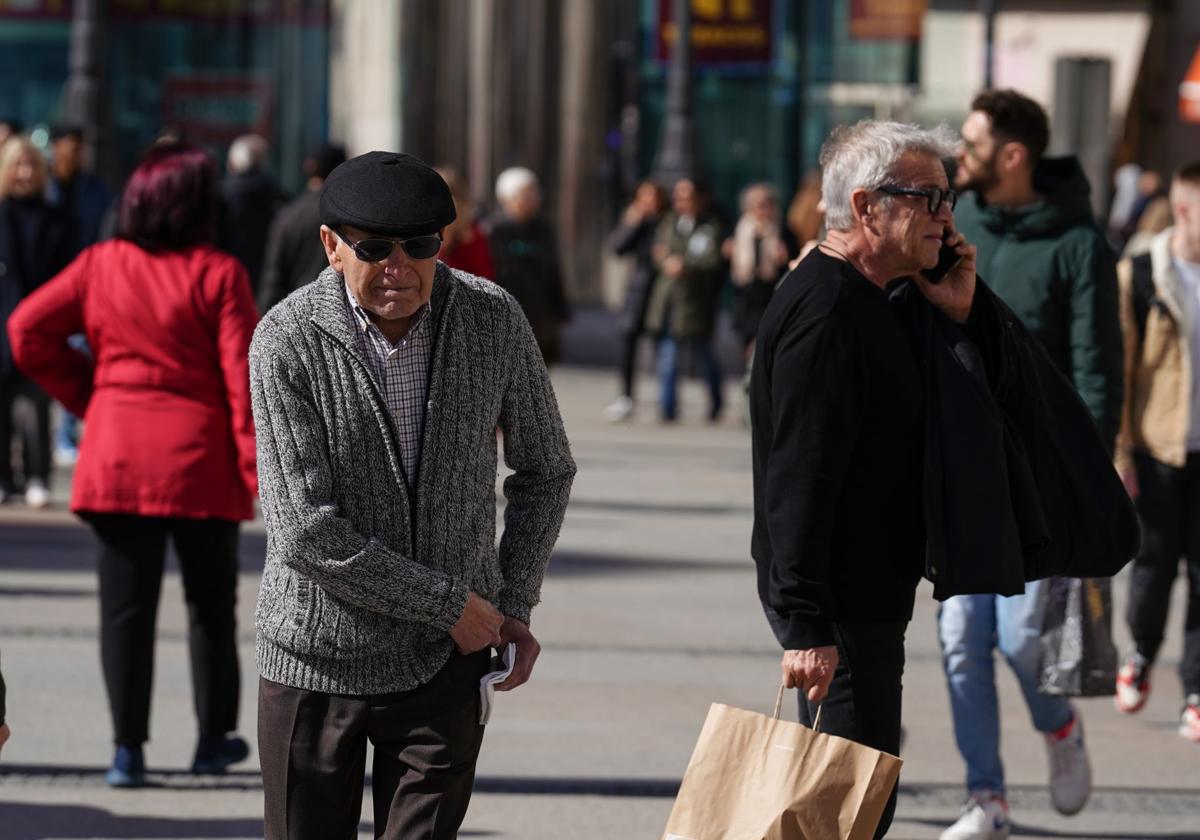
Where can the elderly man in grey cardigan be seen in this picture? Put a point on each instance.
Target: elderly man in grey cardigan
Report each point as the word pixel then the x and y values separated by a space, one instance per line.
pixel 377 391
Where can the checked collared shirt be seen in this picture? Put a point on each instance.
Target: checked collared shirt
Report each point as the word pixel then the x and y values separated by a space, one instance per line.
pixel 402 370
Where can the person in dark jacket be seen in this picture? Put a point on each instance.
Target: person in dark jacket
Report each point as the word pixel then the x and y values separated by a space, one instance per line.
pixel 1045 257
pixel 682 310
pixel 5 732
pixel 758 253
pixel 837 422
pixel 36 241
pixel 634 235
pixel 526 257
pixel 295 255
pixel 250 199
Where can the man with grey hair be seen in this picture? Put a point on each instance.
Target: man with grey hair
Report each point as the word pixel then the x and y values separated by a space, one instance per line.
pixel 526 256
pixel 838 422
pixel 249 201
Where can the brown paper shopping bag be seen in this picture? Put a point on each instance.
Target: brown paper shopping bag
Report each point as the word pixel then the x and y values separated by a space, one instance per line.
pixel 754 777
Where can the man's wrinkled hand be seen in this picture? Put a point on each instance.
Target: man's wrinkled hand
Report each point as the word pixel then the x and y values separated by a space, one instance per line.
pixel 527 652
pixel 810 670
pixel 478 627
pixel 956 292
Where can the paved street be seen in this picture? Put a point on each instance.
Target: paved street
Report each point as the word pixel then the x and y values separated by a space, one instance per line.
pixel 649 615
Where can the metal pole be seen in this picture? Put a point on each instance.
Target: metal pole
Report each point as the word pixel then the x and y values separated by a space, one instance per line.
pixel 677 156
pixel 87 90
pixel 989 42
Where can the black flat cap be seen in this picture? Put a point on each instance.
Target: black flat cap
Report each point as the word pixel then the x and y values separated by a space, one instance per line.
pixel 387 193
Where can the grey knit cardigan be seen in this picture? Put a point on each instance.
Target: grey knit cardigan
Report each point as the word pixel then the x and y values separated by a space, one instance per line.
pixel 365 575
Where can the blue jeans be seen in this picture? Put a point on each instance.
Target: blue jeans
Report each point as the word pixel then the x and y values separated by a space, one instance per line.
pixel 969 628
pixel 668 375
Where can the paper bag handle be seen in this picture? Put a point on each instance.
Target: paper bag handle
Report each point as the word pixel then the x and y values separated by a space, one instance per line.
pixel 779 705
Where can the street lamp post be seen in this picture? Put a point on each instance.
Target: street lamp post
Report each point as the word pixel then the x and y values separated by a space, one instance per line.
pixel 677 157
pixel 87 94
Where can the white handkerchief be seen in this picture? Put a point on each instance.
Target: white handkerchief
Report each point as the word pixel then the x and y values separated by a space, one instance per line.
pixel 501 667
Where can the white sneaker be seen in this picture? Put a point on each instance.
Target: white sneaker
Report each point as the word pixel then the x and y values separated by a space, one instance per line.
pixel 984 817
pixel 619 410
pixel 1070 770
pixel 36 494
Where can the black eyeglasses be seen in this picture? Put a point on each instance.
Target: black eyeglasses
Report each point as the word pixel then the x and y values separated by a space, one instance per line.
pixel 378 250
pixel 934 195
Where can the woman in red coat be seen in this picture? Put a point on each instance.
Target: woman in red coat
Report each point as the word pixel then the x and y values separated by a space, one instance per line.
pixel 168 446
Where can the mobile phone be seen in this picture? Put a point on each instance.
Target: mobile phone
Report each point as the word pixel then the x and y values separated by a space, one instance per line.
pixel 948 258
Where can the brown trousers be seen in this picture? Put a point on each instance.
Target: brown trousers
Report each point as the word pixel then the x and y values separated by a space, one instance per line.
pixel 313 749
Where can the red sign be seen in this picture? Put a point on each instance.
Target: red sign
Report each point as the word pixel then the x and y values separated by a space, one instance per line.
pixel 214 110
pixel 723 31
pixel 893 20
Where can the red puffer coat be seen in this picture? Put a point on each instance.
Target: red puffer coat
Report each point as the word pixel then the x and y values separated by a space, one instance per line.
pixel 166 396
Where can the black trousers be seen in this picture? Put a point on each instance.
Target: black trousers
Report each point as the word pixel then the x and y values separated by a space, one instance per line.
pixel 313 749
pixel 35 431
pixel 132 554
pixel 629 350
pixel 864 700
pixel 1169 508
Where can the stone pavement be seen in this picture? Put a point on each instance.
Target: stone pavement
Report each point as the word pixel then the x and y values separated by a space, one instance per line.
pixel 649 615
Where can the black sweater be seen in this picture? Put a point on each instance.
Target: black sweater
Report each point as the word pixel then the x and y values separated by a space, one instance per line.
pixel 838 424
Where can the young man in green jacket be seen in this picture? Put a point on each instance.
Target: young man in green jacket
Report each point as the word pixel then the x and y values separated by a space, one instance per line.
pixel 1041 251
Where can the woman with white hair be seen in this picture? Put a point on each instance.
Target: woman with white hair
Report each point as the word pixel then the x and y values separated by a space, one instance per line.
pixel 37 241
pixel 525 253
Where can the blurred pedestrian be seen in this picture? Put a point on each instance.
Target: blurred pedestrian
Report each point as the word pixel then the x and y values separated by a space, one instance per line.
pixel 526 257
pixel 250 199
pixel 1043 254
pixel 837 400
pixel 635 234
pixel 295 255
pixel 169 449
pixel 36 241
pixel 806 213
pixel 1154 220
pixel 758 251
pixel 88 200
pixel 682 311
pixel 1158 453
pixel 465 244
pixel 383 589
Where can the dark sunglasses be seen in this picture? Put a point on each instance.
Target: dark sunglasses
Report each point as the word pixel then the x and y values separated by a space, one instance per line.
pixel 378 250
pixel 934 195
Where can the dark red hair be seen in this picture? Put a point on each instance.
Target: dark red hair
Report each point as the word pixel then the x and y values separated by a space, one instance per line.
pixel 170 201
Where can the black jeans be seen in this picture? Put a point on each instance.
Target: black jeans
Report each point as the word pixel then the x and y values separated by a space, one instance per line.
pixel 313 749
pixel 1169 508
pixel 629 347
pixel 864 700
pixel 132 554
pixel 35 431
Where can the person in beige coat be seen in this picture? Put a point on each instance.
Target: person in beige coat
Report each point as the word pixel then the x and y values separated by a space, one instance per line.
pixel 1158 448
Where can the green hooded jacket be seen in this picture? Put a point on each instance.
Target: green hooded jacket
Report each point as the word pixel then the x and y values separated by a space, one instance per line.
pixel 1051 264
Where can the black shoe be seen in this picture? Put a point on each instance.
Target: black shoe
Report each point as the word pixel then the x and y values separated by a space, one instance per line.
pixel 214 753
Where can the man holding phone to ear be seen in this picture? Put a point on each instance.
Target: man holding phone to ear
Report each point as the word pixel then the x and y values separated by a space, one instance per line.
pixel 838 417
pixel 1043 254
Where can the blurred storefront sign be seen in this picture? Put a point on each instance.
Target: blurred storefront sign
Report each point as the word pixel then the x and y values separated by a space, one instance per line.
pixel 723 31
pixel 890 20
pixel 214 110
pixel 1189 92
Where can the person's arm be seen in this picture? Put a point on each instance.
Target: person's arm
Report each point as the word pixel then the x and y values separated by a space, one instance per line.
pixel 1097 355
pixel 236 319
pixel 536 449
pixel 302 516
pixel 38 330
pixel 277 264
pixel 627 236
pixel 816 415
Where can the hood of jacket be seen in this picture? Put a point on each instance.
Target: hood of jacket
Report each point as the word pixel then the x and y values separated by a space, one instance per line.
pixel 1065 202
